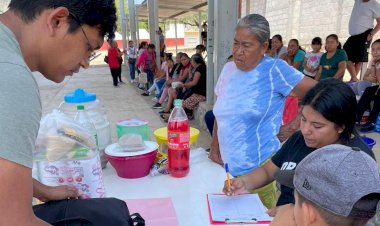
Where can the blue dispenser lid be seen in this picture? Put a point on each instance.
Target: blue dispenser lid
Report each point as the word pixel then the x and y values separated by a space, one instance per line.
pixel 79 96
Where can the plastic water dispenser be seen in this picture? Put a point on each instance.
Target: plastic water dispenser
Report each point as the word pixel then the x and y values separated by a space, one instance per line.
pixel 97 113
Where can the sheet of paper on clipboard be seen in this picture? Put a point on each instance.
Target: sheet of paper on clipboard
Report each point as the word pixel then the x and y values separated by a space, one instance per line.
pixel 245 208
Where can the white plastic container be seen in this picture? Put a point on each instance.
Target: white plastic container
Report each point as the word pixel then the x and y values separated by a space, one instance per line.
pixel 97 113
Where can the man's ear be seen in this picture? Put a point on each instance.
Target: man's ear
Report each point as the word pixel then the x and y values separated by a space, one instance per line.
pixel 57 19
pixel 309 213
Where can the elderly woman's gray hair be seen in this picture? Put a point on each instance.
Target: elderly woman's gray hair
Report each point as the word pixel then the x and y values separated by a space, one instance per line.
pixel 257 24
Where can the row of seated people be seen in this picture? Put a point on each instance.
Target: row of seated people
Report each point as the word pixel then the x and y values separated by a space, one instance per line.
pixel 332 63
pixel 183 79
pixel 315 64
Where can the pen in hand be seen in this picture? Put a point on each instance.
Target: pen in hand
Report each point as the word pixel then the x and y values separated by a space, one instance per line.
pixel 228 176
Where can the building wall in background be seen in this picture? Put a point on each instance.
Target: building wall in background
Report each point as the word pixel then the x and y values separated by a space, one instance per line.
pixel 4 5
pixel 304 19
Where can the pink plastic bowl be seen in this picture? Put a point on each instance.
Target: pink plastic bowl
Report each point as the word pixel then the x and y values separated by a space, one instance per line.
pixel 134 166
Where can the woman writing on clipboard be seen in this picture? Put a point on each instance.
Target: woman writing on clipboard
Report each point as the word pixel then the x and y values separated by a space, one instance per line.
pixel 327 117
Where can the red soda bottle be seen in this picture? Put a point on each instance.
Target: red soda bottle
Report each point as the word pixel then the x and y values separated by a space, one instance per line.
pixel 178 141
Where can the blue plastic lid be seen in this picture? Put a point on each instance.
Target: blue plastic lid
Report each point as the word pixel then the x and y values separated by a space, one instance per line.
pixel 79 96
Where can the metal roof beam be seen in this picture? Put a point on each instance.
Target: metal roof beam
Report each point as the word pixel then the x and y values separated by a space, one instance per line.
pixel 181 8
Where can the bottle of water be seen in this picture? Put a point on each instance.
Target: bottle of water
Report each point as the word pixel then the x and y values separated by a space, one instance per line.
pixel 84 120
pixel 178 141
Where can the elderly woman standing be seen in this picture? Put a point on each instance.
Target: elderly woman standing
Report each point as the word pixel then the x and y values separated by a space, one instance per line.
pixel 251 93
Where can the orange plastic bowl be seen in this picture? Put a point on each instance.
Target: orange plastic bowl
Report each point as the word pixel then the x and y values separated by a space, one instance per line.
pixel 133 166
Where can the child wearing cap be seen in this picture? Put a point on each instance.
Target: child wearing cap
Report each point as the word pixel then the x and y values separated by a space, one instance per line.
pixel 327 117
pixel 335 185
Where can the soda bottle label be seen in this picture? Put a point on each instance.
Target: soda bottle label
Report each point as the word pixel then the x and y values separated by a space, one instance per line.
pixel 178 140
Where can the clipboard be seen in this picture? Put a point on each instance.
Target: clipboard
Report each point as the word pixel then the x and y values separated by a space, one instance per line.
pixel 212 203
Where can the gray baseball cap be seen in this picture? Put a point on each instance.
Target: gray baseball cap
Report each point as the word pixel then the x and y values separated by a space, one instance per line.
pixel 336 178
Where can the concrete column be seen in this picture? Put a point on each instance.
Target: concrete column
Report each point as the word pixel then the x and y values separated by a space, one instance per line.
pixel 153 27
pixel 176 37
pixel 132 19
pixel 339 17
pixel 226 16
pixel 200 27
pixel 210 53
pixel 137 27
pixel 247 7
pixel 128 29
pixel 157 39
pixel 151 23
pixel 123 20
pixel 289 30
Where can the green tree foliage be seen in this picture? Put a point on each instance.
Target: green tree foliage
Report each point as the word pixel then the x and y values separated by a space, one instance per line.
pixel 117 4
pixel 193 20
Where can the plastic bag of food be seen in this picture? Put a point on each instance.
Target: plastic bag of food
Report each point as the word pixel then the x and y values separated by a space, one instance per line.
pixel 66 154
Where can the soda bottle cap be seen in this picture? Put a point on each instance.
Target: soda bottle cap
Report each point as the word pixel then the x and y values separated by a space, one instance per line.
pixel 80 107
pixel 177 102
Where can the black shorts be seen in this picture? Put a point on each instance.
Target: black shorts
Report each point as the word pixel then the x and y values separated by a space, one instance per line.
pixel 356 47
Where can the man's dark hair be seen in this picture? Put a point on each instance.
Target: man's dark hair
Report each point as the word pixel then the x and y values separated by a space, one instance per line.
pixel 93 13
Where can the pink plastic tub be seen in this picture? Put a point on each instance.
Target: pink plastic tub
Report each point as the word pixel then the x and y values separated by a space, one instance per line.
pixel 134 166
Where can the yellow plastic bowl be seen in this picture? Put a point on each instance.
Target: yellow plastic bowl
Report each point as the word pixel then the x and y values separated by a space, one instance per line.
pixel 161 135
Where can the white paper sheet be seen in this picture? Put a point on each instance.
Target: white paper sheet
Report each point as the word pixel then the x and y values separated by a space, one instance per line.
pixel 239 208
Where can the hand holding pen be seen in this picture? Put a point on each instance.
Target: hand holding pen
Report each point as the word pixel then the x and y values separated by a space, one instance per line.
pixel 234 186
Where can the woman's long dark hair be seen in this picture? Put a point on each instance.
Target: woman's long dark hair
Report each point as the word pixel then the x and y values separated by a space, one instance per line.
pixel 336 102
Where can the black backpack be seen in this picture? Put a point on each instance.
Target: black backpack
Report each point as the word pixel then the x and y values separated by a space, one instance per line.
pixel 88 212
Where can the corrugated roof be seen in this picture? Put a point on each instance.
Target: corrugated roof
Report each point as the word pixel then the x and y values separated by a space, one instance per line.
pixel 173 9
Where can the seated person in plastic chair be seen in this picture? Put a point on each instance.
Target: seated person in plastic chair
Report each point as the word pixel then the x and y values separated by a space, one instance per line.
pixel 327 117
pixel 192 91
pixel 351 200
